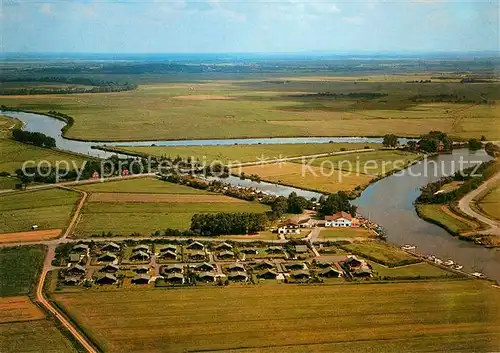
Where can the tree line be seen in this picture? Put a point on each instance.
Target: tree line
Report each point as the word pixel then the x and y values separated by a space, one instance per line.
pixel 210 224
pixel 33 138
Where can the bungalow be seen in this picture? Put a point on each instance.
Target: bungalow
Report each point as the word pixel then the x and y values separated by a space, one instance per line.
pixel 196 245
pixel 80 248
pixel 268 274
pixel 352 262
pixel 107 257
pixel 289 227
pixel 142 269
pixel 169 254
pixel 226 255
pixel 112 247
pixel 175 268
pixel 295 266
pixel 139 256
pixel 141 279
pixel 75 257
pixel 71 281
pixel 197 255
pixel 364 271
pixel 236 268
pixel 274 250
pixel 206 276
pixel 302 274
pixel 264 265
pixel 205 267
pixel 76 270
pixel 330 272
pixel 106 279
pixel 237 276
pixel 175 278
pixel 250 251
pixel 143 248
pixel 224 246
pixel 110 268
pixel 169 247
pixel 339 219
pixel 301 249
pixel 322 264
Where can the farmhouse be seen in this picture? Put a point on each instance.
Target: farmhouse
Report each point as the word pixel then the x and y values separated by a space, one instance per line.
pixel 237 276
pixel 302 274
pixel 168 254
pixel 175 268
pixel 236 268
pixel 80 248
pixel 110 268
pixel 204 267
pixel 295 266
pixel 175 278
pixel 224 246
pixel 112 247
pixel 107 257
pixel 106 279
pixel 339 219
pixel 274 250
pixel 76 270
pixel 141 279
pixel 268 274
pixel 329 272
pixel 143 248
pixel 206 276
pixel 226 255
pixel 196 245
pixel 197 255
pixel 139 256
pixel 250 251
pixel 264 265
pixel 301 249
pixel 289 227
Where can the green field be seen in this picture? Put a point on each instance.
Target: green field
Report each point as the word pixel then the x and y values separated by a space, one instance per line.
pixel 49 209
pixel 145 218
pixel 246 153
pixel 490 203
pixel 336 233
pixel 380 251
pixel 260 108
pixel 370 163
pixel 407 317
pixel 19 269
pixel 422 269
pixel 435 213
pixel 141 185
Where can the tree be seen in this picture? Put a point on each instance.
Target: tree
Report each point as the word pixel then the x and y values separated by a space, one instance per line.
pixel 279 206
pixel 483 138
pixel 296 204
pixel 336 203
pixel 474 145
pixel 412 146
pixel 390 140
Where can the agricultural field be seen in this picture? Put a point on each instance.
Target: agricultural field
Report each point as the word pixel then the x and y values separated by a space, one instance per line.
pixel 441 214
pixel 349 232
pixel 19 269
pixel 142 186
pixel 19 308
pixel 145 218
pixel 245 153
pixel 380 251
pixel 490 203
pixel 418 316
pixel 49 209
pixel 422 269
pixel 30 236
pixel 307 177
pixel 261 108
pixel 375 163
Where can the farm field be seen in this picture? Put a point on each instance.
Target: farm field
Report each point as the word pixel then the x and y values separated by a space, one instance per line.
pixel 437 214
pixel 19 269
pixel 368 163
pixel 380 251
pixel 307 177
pixel 260 108
pixel 490 203
pixel 142 186
pixel 19 308
pixel 418 316
pixel 33 235
pixel 422 269
pixel 161 198
pixel 145 218
pixel 49 209
pixel 246 153
pixel 348 232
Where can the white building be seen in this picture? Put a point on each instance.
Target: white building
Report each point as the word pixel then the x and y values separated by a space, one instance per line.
pixel 289 227
pixel 339 219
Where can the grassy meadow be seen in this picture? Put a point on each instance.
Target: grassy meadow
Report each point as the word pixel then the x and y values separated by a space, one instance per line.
pixel 380 251
pixel 490 203
pixel 392 317
pixel 453 223
pixel 19 269
pixel 422 269
pixel 246 153
pixel 263 108
pixel 349 232
pixel 49 209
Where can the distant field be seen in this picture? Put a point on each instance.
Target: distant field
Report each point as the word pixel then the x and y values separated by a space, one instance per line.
pixel 308 177
pixel 246 153
pixel 145 218
pixel 390 317
pixel 454 223
pixel 369 163
pixel 18 269
pixel 490 204
pixel 336 233
pixel 380 251
pixel 160 198
pixel 261 108
pixel 143 186
pixel 49 209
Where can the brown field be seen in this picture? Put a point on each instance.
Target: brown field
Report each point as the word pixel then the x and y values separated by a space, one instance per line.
pixel 14 309
pixel 161 198
pixel 35 235
pixel 309 177
pixel 202 97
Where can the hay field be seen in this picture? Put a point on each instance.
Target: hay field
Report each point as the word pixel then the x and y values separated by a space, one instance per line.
pixel 15 309
pixel 349 232
pixel 160 198
pixel 49 209
pixel 380 251
pixel 34 235
pixel 307 177
pixel 392 317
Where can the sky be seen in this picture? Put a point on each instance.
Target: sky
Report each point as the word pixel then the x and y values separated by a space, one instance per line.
pixel 201 26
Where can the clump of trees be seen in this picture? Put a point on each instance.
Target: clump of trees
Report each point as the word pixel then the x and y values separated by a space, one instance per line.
pixel 474 145
pixel 390 140
pixel 293 204
pixel 492 149
pixel 435 141
pixel 336 203
pixel 33 138
pixel 209 224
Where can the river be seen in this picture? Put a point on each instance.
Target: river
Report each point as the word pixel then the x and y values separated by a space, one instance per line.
pixel 389 202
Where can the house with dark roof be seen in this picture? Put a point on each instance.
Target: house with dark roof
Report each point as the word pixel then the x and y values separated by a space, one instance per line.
pixel 141 247
pixel 274 250
pixel 174 268
pixel 197 255
pixel 362 272
pixel 110 268
pixel 295 266
pixel 322 264
pixel 301 274
pixel 71 280
pixel 237 276
pixel 80 248
pixel 196 245
pixel 142 269
pixel 75 258
pixel 175 278
pixel 141 279
pixel 139 256
pixel 107 257
pixel 169 247
pixel 268 274
pixel 108 278
pixel 352 262
pixel 111 247
pixel 206 276
pixel 205 267
pixel 250 251
pixel 168 255
pixel 330 272
pixel 236 268
pixel 76 270
pixel 226 255
pixel 301 249
pixel 224 246
pixel 264 265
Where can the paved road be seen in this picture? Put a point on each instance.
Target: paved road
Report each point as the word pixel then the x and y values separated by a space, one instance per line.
pixel 464 205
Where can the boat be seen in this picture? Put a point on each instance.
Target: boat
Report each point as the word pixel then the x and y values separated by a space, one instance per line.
pixel 478 275
pixel 438 261
pixel 458 267
pixel 448 263
pixel 408 247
